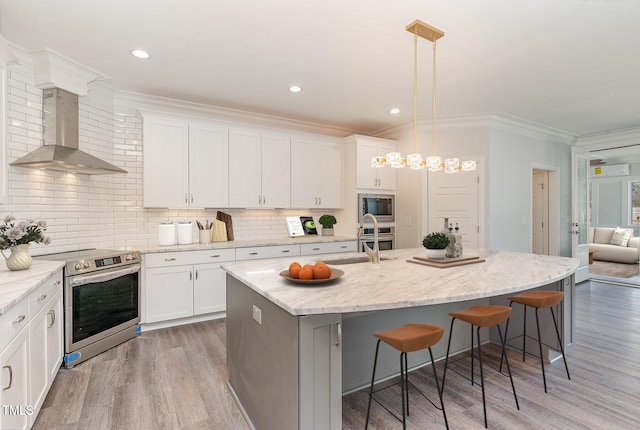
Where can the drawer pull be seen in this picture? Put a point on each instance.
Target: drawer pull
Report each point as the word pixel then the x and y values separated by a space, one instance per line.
pixel 19 319
pixel 343 246
pixel 215 256
pixel 315 249
pixel 339 334
pixel 253 253
pixel 286 250
pixel 58 282
pixel 53 317
pixel 10 377
pixel 169 259
pixel 42 297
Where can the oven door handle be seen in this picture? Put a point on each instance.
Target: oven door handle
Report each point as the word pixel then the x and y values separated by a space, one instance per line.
pixel 106 275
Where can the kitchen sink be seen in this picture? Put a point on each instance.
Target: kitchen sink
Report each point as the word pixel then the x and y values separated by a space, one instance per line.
pixel 354 260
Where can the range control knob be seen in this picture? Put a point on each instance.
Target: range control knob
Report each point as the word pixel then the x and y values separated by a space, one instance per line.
pixel 86 265
pixel 130 257
pixel 78 266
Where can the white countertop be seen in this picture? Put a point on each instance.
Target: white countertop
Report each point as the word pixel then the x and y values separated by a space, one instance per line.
pixel 14 286
pixel 399 284
pixel 242 243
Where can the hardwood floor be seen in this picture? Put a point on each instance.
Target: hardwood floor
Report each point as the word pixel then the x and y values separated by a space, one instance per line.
pixel 176 379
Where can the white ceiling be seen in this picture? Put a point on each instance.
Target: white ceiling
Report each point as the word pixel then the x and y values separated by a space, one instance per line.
pixel 573 65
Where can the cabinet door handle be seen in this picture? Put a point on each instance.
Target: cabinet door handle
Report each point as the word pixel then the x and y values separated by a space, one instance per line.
pixel 339 337
pixel 41 298
pixel 53 317
pixel 190 275
pixel 264 200
pixel 259 199
pixel 10 377
pixel 319 200
pixel 19 319
pixel 196 275
pixel 186 199
pixel 170 259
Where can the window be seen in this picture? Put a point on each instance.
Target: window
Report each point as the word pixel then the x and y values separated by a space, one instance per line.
pixel 634 202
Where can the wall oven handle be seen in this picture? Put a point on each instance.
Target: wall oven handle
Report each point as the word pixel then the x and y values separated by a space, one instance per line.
pixel 10 378
pixel 53 318
pixel 106 275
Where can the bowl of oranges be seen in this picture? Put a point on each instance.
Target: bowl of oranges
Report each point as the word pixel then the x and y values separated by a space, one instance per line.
pixel 318 273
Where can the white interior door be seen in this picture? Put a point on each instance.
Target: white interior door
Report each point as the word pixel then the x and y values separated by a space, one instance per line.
pixel 455 196
pixel 580 223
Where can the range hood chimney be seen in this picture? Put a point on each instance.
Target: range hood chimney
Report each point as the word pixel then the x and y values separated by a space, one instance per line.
pixel 60 144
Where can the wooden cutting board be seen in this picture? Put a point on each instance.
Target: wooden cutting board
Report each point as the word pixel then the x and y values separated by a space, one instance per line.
pixel 444 263
pixel 226 218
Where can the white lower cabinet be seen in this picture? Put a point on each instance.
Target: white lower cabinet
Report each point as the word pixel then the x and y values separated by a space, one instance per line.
pixel 184 284
pixel 14 394
pixel 33 355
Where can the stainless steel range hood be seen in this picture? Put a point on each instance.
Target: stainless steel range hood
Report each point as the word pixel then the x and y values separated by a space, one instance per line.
pixel 60 147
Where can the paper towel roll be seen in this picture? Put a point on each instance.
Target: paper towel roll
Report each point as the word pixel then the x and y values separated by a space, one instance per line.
pixel 185 233
pixel 166 234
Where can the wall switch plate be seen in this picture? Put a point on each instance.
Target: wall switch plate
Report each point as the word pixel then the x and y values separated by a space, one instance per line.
pixel 257 314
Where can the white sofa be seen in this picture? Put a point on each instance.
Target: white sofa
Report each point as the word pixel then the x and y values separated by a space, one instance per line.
pixel 600 240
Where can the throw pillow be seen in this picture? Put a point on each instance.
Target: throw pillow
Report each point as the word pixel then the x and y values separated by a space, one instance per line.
pixel 620 237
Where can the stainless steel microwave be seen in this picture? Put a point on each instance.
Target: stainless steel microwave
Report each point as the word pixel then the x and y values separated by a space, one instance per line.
pixel 382 206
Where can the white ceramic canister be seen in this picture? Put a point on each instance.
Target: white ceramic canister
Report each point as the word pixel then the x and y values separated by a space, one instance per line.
pixel 185 233
pixel 166 234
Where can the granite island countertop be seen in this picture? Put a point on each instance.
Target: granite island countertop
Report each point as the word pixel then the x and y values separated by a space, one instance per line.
pixel 397 283
pixel 15 286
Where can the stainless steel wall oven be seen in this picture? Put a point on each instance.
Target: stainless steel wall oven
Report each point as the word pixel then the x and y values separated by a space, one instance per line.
pixel 386 238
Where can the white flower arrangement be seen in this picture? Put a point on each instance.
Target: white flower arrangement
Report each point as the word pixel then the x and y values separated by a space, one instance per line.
pixel 12 234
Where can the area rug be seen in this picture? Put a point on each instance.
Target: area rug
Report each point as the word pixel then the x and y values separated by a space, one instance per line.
pixel 616 270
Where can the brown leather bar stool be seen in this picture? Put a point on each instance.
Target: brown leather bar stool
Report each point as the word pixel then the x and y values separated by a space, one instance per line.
pixel 482 316
pixel 539 299
pixel 408 338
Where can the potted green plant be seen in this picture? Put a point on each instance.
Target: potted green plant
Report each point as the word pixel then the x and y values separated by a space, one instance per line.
pixel 436 244
pixel 327 222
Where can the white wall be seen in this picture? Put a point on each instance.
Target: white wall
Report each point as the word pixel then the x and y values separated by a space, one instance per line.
pixel 516 149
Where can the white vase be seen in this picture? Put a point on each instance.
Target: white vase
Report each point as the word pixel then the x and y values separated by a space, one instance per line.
pixel 436 253
pixel 20 259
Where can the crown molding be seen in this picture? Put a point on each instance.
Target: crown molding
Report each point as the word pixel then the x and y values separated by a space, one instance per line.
pixel 7 55
pixel 54 70
pixel 126 101
pixel 610 139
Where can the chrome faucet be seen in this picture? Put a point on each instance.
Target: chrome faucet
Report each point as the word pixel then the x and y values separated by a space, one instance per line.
pixel 375 252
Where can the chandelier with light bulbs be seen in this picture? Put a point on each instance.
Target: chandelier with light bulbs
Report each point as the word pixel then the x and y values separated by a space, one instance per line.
pixel 415 161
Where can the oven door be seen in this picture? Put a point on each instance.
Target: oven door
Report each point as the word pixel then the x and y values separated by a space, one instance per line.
pixel 100 304
pixel 384 244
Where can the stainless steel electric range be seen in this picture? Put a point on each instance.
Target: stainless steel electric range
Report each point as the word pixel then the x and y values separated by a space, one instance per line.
pixel 101 300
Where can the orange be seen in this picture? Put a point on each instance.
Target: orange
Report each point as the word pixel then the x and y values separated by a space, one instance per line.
pixel 306 272
pixel 321 271
pixel 294 269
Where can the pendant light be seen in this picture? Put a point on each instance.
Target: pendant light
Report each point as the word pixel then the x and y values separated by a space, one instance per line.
pixel 415 161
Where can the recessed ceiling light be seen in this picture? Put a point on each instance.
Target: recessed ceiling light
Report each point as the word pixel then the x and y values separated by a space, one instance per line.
pixel 295 89
pixel 394 111
pixel 140 53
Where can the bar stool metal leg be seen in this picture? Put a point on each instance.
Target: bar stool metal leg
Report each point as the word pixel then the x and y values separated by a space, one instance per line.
pixel 373 378
pixel 555 324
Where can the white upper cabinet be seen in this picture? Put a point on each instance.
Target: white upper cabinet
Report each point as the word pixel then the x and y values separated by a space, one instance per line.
pixel 315 174
pixel 368 177
pixel 184 164
pixel 165 162
pixel 208 166
pixel 259 169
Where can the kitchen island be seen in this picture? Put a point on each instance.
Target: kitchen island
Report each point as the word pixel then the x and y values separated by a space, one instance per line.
pixel 293 351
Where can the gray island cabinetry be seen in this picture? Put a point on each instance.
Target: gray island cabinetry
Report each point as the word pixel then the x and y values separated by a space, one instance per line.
pixel 293 350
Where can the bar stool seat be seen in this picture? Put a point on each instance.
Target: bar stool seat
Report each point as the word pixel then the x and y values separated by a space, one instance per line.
pixel 481 316
pixel 539 299
pixel 408 338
